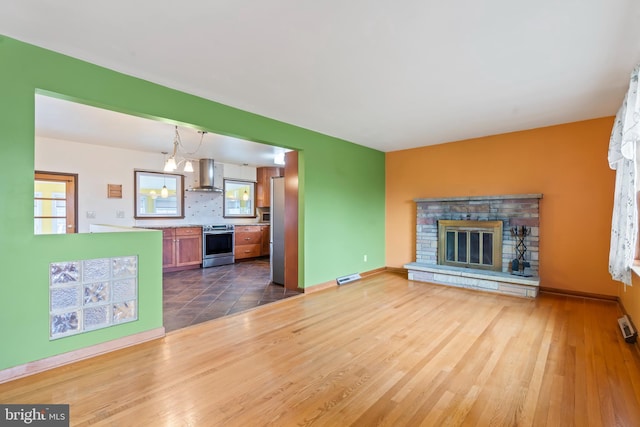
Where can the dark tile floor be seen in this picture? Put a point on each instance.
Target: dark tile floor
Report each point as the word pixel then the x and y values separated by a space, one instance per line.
pixel 195 296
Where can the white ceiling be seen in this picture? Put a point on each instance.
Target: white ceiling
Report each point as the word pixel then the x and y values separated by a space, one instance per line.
pixel 60 119
pixel 385 74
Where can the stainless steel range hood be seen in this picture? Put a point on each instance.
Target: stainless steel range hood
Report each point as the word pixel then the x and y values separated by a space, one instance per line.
pixel 206 178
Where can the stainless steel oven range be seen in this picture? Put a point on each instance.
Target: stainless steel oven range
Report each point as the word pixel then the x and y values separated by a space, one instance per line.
pixel 217 245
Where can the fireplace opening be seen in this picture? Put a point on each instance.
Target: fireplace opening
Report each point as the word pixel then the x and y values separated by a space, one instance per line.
pixel 471 244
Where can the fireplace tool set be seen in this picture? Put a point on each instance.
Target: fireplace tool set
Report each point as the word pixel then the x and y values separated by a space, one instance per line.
pixel 519 266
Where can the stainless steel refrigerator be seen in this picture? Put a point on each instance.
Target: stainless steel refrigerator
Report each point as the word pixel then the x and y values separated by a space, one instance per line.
pixel 277 230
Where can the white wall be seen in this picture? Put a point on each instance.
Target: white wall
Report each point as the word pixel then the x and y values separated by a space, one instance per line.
pixel 97 166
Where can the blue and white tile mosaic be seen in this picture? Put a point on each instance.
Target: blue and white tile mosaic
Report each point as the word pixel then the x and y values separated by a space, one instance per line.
pixel 92 294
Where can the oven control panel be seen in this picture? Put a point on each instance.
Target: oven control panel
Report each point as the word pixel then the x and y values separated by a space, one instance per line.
pixel 220 227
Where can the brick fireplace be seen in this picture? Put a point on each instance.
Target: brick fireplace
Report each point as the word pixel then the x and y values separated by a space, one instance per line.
pixel 476 257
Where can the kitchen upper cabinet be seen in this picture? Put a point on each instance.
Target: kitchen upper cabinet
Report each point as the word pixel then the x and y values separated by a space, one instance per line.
pixel 243 173
pixel 181 248
pixel 263 187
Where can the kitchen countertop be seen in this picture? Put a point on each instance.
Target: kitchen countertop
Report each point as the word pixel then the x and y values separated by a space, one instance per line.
pixel 156 227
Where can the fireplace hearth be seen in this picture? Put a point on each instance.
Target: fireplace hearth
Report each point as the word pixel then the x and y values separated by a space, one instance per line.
pixel 468 242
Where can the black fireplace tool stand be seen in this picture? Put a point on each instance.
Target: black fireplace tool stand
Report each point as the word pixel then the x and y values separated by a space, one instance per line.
pixel 519 266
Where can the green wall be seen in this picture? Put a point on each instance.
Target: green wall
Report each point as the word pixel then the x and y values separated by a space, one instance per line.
pixel 341 196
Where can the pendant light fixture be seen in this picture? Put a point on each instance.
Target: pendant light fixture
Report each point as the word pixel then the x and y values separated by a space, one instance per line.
pixel 164 193
pixel 170 165
pixel 173 162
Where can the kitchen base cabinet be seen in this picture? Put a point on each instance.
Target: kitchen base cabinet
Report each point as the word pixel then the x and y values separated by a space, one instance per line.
pixel 188 246
pixel 181 248
pixel 247 251
pixel 251 241
pixel 168 248
pixel 266 240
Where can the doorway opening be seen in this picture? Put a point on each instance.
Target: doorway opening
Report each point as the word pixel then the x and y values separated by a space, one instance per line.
pixel 60 128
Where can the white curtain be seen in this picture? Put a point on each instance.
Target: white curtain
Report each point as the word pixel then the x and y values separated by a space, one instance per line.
pixel 622 158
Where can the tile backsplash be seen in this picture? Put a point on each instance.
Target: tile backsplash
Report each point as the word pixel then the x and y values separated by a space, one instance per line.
pixel 200 207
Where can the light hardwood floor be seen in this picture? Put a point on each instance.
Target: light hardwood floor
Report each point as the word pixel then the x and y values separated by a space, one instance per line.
pixel 380 351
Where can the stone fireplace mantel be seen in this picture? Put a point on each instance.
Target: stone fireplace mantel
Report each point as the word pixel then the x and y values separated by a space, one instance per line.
pixel 479 198
pixel 513 210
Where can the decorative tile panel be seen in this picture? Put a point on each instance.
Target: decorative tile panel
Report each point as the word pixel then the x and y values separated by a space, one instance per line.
pixel 65 298
pixel 61 273
pixel 125 266
pixel 96 317
pixel 65 323
pixel 92 294
pixel 124 311
pixel 96 293
pixel 203 208
pixel 95 269
pixel 124 290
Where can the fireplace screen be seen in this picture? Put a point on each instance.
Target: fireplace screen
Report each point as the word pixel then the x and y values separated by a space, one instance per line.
pixel 475 244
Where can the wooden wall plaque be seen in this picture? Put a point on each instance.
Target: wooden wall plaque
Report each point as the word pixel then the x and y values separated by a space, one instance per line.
pixel 114 191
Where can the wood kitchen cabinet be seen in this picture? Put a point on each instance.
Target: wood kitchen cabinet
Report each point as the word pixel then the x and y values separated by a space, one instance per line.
pixel 249 242
pixel 266 239
pixel 263 186
pixel 181 248
pixel 168 248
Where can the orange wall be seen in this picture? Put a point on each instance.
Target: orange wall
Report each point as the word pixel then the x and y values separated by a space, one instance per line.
pixel 566 163
pixel 630 298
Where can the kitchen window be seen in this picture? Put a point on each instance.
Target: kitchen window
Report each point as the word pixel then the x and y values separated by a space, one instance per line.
pixel 239 199
pixel 158 195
